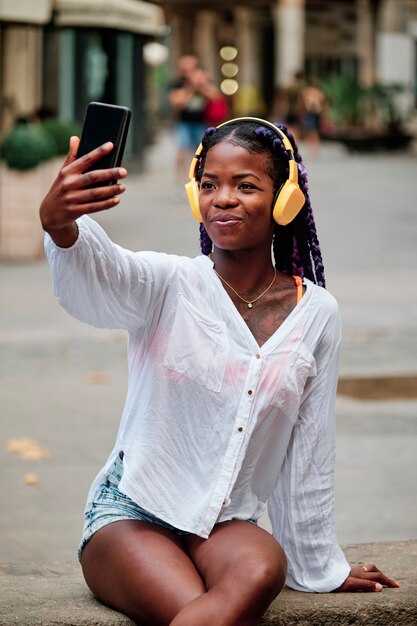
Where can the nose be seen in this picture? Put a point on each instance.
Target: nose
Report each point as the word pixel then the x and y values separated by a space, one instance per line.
pixel 225 197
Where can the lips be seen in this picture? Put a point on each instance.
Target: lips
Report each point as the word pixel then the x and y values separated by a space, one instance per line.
pixel 226 220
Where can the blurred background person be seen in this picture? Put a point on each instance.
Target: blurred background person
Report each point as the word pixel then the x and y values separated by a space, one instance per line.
pixel 292 104
pixel 197 103
pixel 217 108
pixel 312 103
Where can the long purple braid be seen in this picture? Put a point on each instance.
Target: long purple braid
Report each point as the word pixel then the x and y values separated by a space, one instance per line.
pixel 296 246
pixel 309 230
pixel 206 244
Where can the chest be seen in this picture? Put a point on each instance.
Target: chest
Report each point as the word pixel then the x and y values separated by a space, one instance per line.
pixel 265 317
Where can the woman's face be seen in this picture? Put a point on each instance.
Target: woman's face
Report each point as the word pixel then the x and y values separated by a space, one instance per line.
pixel 236 196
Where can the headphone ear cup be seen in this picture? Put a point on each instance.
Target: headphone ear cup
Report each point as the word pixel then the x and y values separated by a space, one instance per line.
pixel 288 204
pixel 192 193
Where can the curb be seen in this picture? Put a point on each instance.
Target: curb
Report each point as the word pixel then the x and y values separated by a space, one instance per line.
pixel 55 594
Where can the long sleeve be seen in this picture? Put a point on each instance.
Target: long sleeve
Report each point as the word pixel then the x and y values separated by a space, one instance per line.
pixel 100 283
pixel 301 506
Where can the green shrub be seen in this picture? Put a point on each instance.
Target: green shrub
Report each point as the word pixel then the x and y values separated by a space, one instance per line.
pixel 60 132
pixel 26 146
pixel 344 95
pixel 353 104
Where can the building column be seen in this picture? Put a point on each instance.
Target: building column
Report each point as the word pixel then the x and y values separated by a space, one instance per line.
pixel 366 43
pixel 395 52
pixel 22 71
pixel 174 44
pixel 125 72
pixel 205 44
pixel 248 99
pixel 181 39
pixel 66 76
pixel 247 43
pixel 290 40
pixel 394 16
pixel 2 98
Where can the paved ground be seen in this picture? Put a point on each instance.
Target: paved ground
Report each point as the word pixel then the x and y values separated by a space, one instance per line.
pixel 63 383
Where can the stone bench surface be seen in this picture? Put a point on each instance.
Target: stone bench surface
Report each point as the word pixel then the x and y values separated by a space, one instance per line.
pixel 55 594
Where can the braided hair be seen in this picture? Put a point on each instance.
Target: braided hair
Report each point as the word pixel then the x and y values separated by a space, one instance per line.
pixel 295 247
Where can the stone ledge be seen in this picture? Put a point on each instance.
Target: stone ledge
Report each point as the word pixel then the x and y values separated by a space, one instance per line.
pixel 55 594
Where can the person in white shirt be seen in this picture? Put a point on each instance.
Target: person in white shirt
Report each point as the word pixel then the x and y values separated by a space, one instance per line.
pixel 233 367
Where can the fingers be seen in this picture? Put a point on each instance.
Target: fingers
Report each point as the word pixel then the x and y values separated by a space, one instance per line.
pixel 367 578
pixel 360 584
pixel 72 163
pixel 95 207
pixel 94 199
pixel 75 174
pixel 99 178
pixel 375 574
pixel 81 201
pixel 74 145
pixel 78 165
pixel 73 149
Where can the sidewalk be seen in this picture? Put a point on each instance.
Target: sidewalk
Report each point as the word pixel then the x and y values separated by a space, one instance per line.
pixel 63 383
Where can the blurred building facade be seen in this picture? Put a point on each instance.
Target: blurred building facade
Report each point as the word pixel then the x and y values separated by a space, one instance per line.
pixel 371 40
pixel 58 55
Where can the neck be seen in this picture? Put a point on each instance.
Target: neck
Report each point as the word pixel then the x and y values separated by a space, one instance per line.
pixel 244 271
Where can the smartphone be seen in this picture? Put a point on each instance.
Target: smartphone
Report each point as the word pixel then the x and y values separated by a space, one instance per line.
pixel 105 122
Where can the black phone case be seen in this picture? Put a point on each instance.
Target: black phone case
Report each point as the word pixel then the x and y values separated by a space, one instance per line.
pixel 105 122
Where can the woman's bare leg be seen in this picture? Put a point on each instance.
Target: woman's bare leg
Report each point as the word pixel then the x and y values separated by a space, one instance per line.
pixel 244 569
pixel 141 570
pixel 155 577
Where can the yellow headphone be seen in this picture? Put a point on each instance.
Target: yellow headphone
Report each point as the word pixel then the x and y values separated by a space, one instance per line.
pixel 289 199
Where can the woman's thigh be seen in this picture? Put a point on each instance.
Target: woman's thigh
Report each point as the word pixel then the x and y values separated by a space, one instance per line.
pixel 142 570
pixel 242 563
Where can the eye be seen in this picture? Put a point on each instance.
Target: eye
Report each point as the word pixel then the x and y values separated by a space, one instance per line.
pixel 206 185
pixel 246 186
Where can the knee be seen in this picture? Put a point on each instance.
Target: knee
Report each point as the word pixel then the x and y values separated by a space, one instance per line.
pixel 267 578
pixel 263 578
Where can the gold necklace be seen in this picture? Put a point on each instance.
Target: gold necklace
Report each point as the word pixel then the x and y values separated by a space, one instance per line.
pixel 248 302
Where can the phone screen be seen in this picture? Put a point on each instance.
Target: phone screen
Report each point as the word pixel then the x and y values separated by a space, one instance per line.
pixel 105 122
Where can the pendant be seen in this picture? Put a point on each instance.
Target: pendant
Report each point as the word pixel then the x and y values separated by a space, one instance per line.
pixel 250 305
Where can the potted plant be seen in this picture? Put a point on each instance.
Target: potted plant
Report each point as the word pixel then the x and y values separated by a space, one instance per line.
pixel 366 118
pixel 60 132
pixel 344 95
pixel 26 153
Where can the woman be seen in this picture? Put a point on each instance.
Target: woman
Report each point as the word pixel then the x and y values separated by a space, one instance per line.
pixel 232 379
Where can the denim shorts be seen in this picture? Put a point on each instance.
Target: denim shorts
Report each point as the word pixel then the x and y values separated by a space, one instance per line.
pixel 189 134
pixel 111 505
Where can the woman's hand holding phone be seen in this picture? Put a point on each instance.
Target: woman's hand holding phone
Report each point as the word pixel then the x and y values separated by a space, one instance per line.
pixel 71 194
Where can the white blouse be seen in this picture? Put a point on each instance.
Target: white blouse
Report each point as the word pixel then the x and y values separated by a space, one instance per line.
pixel 215 427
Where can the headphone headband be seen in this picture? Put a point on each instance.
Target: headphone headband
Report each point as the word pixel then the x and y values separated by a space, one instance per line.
pixel 287 144
pixel 289 199
pixel 278 131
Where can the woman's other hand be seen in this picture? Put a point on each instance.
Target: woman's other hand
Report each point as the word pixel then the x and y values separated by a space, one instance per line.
pixel 71 195
pixel 366 578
